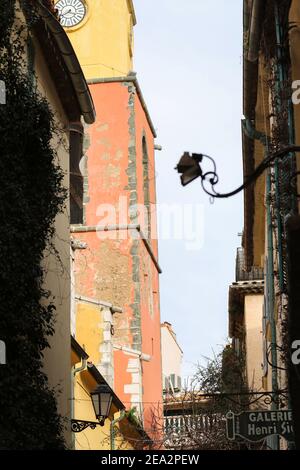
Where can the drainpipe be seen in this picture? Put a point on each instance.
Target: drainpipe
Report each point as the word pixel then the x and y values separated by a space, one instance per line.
pixel 112 428
pixel 271 297
pixel 253 133
pixel 74 372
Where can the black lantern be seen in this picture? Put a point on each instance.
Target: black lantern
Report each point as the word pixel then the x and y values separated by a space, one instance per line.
pixel 102 400
pixel 189 167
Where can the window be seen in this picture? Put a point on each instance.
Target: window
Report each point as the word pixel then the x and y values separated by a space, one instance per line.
pixel 76 178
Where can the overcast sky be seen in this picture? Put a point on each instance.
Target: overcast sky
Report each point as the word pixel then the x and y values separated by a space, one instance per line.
pixel 188 57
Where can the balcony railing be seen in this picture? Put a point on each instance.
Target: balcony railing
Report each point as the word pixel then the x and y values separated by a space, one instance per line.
pixel 256 274
pixel 189 424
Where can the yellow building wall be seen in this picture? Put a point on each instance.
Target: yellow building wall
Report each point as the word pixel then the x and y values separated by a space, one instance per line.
pixel 253 325
pixel 98 438
pixel 89 331
pixel 103 41
pixel 89 439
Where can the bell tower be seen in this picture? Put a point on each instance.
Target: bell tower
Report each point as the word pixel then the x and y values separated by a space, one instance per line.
pixel 101 32
pixel 119 269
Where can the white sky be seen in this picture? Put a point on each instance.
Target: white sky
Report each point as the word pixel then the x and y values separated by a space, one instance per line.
pixel 188 57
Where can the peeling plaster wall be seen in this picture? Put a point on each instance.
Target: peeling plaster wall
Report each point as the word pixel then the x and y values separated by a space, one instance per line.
pixel 116 268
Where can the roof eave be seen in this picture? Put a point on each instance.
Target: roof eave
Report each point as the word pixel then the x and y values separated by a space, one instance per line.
pixel 71 62
pixel 132 11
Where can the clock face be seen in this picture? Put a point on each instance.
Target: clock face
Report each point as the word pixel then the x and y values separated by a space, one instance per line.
pixel 71 12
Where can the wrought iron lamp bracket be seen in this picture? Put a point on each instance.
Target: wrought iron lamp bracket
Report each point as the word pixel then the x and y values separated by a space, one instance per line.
pixel 210 179
pixel 78 425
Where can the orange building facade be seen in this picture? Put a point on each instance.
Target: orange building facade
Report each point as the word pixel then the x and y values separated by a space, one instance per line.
pixel 119 266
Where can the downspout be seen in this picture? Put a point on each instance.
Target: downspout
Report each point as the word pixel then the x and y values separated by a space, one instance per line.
pixel 253 133
pixel 74 372
pixel 271 297
pixel 112 428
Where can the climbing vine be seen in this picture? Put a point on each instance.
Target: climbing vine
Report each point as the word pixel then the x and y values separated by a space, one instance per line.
pixel 31 195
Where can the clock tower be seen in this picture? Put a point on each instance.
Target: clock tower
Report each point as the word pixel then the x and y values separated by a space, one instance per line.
pixel 120 266
pixel 101 32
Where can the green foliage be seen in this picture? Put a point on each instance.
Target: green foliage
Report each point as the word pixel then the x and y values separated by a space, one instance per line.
pixel 222 374
pixel 132 416
pixel 233 371
pixel 7 8
pixel 31 195
pixel 208 378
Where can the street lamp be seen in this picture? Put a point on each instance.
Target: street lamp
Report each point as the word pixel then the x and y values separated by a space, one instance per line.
pixel 190 169
pixel 102 398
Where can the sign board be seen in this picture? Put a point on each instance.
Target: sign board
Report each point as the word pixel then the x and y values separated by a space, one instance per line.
pixel 255 426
